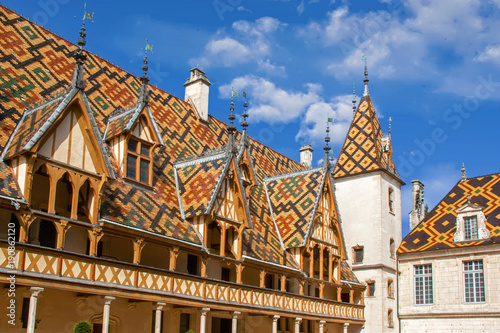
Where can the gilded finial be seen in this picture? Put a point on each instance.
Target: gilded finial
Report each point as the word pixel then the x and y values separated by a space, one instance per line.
pixel 231 129
pixel 353 98
pixel 464 176
pixel 244 124
pixel 327 141
pixel 389 131
pixel 80 56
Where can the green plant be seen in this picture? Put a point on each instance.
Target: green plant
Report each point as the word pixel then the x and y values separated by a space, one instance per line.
pixel 82 327
pixel 190 331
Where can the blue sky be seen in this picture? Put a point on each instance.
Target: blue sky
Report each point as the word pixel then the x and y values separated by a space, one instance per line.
pixel 433 67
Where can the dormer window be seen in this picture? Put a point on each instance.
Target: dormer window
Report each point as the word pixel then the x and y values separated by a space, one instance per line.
pixel 139 161
pixel 471 223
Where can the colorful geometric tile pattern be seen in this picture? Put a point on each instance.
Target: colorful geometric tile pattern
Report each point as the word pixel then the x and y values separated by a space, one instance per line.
pixel 293 198
pixel 197 183
pixel 8 184
pixel 363 149
pixel 436 230
pixel 347 274
pixel 118 124
pixel 30 125
pixel 35 63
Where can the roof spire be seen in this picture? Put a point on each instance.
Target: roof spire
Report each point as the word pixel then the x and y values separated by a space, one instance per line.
pixel 464 176
pixel 366 77
pixel 244 124
pixel 231 129
pixel 326 160
pixel 353 98
pixel 144 78
pixel 80 56
pixel 389 131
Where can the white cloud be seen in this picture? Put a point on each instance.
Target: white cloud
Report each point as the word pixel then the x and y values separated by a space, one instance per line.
pixel 269 103
pixel 490 53
pixel 247 42
pixel 313 127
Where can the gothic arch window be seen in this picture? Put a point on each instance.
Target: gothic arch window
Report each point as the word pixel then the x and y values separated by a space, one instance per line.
pixel 41 186
pixel 85 202
pixel 43 233
pixel 64 196
pixel 214 237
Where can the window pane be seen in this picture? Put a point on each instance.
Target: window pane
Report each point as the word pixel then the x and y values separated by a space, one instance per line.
pixel 423 284
pixel 132 145
pixel 470 227
pixel 144 171
pixel 474 281
pixel 145 150
pixel 131 166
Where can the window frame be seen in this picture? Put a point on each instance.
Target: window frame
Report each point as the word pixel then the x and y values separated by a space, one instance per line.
pixel 425 275
pixel 139 157
pixel 471 230
pixel 358 249
pixel 370 288
pixel 475 273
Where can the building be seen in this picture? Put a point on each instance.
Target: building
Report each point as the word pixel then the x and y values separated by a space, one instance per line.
pixel 449 263
pixel 130 208
pixel 368 191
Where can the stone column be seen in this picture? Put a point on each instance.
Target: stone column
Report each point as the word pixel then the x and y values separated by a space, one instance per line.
pixel 297 325
pixel 159 307
pixel 203 319
pixel 321 326
pixel 32 311
pixel 105 314
pixel 275 323
pixel 346 327
pixel 234 326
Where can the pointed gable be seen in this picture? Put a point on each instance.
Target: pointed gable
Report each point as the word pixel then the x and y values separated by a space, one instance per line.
pixel 293 198
pixel 365 147
pixel 62 129
pixel 436 231
pixel 138 120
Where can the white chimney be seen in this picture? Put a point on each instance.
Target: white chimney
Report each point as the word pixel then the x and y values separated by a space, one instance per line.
pixel 306 155
pixel 197 92
pixel 417 195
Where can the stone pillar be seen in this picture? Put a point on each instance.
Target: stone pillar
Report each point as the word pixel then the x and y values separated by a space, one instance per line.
pixel 346 327
pixel 32 311
pixel 234 326
pixel 159 308
pixel 203 319
pixel 105 314
pixel 321 326
pixel 275 323
pixel 297 325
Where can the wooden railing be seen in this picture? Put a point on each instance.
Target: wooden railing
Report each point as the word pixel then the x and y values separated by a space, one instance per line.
pixel 29 258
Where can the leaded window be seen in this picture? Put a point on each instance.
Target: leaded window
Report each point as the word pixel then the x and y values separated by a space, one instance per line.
pixel 423 284
pixel 474 281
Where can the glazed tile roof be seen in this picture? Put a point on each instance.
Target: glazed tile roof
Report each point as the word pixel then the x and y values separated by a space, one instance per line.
pixel 35 63
pixel 8 184
pixel 197 183
pixel 293 198
pixel 347 274
pixel 436 230
pixel 365 147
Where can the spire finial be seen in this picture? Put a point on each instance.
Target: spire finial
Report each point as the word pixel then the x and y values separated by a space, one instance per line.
pixel 231 129
pixel 464 176
pixel 389 131
pixel 366 77
pixel 244 124
pixel 80 56
pixel 144 78
pixel 353 98
pixel 327 141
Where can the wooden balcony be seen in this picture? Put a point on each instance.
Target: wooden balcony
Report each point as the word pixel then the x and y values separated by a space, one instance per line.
pixel 60 265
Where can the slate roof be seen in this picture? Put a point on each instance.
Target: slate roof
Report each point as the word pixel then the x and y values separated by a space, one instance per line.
pixel 365 147
pixel 436 230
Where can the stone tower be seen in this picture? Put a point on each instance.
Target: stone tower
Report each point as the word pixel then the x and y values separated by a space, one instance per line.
pixel 368 192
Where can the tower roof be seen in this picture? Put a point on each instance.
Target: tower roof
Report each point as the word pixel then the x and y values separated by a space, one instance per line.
pixel 365 148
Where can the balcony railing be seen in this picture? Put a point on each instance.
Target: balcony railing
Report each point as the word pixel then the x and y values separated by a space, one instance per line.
pixel 61 264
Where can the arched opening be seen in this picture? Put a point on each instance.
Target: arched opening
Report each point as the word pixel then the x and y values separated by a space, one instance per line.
pixel 77 240
pixel 41 189
pixel 392 248
pixel 10 229
pixel 316 261
pixel 214 235
pixel 85 202
pixel 64 196
pixel 306 262
pixel 116 248
pixel 43 233
pixel 155 255
pixel 326 264
pixel 231 242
